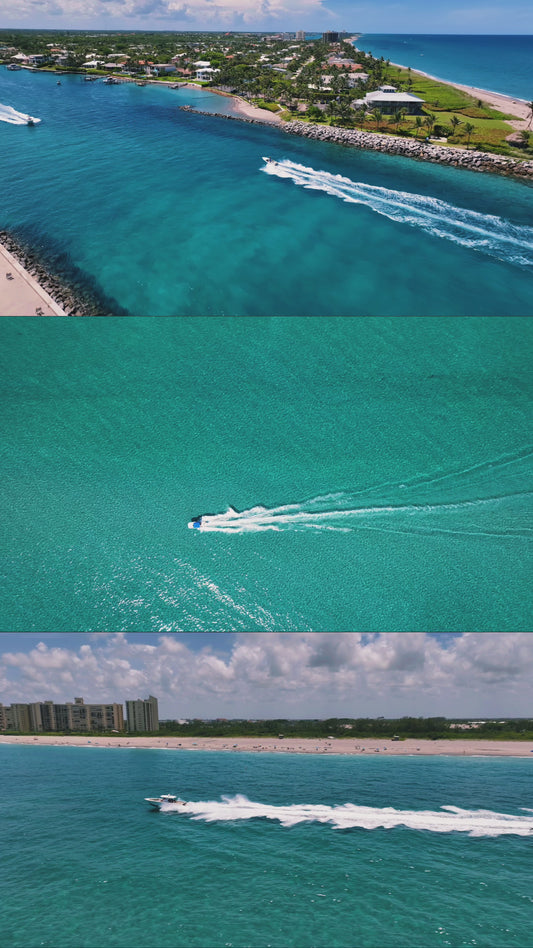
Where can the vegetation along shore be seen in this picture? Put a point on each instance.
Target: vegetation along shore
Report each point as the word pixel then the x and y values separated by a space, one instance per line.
pixel 330 85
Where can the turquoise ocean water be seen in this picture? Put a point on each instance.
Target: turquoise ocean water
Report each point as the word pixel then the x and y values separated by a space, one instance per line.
pixel 164 213
pixel 400 853
pixel 497 63
pixel 370 474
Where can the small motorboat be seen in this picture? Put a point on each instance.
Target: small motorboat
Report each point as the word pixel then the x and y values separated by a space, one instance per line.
pixel 195 523
pixel 269 161
pixel 158 802
pixel 30 120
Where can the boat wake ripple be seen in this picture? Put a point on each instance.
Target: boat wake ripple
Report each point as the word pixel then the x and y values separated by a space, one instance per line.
pixel 12 117
pixel 410 518
pixel 447 819
pixel 463 502
pixel 485 233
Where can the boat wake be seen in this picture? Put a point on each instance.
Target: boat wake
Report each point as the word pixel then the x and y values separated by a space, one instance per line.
pixel 447 819
pixel 485 233
pixel 459 502
pixel 12 117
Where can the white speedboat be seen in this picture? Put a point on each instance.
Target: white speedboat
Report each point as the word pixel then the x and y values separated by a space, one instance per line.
pixel 269 161
pixel 195 523
pixel 157 802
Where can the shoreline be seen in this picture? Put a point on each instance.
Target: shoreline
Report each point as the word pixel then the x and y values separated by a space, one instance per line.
pixel 317 746
pixel 30 287
pixel 497 100
pixel 468 160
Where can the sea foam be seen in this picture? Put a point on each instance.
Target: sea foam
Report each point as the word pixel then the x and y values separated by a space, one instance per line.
pixel 485 233
pixel 447 819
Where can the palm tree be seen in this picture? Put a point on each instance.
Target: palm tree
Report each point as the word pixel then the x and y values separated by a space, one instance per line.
pixel 418 124
pixel 429 122
pixel 469 128
pixel 525 136
pixel 455 122
pixel 377 115
pixel 394 118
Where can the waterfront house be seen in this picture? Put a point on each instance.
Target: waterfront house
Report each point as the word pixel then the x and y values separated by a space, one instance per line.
pixel 388 99
pixel 206 74
pixel 163 69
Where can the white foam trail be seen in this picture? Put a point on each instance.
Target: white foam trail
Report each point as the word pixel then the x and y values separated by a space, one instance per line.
pixel 12 117
pixel 486 233
pixel 447 819
pixel 341 515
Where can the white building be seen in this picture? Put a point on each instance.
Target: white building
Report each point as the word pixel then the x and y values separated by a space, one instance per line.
pixel 143 715
pixel 206 74
pixel 388 99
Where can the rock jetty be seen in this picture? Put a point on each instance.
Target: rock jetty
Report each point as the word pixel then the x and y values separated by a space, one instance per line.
pixel 395 145
pixel 67 288
pixel 231 118
pixel 411 148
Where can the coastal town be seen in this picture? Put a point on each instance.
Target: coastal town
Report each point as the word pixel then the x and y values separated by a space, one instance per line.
pixel 318 79
pixel 324 87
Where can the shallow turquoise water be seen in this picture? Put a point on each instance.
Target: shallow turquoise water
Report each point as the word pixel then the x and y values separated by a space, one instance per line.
pixel 390 460
pixel 87 865
pixel 168 213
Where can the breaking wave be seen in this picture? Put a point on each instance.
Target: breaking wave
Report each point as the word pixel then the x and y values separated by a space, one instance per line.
pixel 447 819
pixel 486 233
pixel 12 117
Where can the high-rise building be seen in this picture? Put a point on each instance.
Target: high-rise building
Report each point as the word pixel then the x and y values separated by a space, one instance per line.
pixel 143 715
pixel 330 37
pixel 48 716
pixel 18 717
pixel 300 35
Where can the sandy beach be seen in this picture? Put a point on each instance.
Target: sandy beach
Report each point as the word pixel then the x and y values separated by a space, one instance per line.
pixel 21 295
pixel 503 103
pixel 351 746
pixel 253 112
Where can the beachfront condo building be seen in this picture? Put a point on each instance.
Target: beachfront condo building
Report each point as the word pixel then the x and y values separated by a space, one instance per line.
pixel 39 716
pixel 143 715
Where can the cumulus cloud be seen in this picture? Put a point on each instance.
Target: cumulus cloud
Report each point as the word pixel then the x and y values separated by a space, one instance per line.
pixel 286 674
pixel 207 14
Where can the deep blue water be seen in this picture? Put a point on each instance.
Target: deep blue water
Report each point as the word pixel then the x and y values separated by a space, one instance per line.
pixel 168 213
pixel 497 63
pixel 86 864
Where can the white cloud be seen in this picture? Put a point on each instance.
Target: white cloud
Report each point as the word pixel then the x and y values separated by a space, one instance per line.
pixel 287 674
pixel 209 13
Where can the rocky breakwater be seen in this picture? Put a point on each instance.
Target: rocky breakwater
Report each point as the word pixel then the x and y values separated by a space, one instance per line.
pixel 231 118
pixel 411 148
pixel 67 286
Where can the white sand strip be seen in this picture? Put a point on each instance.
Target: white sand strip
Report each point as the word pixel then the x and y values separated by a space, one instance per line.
pixel 351 745
pixel 20 294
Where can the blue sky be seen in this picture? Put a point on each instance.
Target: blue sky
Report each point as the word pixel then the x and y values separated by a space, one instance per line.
pixel 270 674
pixel 411 16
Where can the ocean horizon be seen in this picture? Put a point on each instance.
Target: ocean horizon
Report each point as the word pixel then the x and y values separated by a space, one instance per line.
pixel 467 59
